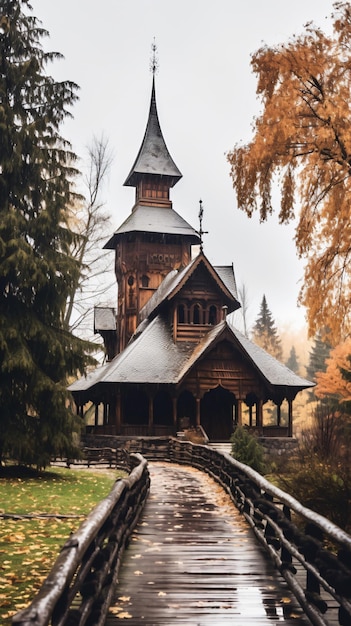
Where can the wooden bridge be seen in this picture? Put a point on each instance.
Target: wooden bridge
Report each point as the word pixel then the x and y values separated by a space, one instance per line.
pixel 195 558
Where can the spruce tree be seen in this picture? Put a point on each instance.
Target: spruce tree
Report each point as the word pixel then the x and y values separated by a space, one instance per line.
pixel 317 357
pixel 37 271
pixel 292 362
pixel 265 333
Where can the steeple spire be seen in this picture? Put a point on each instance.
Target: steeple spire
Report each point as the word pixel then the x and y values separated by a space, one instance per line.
pixel 153 157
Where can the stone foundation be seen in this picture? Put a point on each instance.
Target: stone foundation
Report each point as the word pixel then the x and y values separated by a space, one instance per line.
pixel 278 445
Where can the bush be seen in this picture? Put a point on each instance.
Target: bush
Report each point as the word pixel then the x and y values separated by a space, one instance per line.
pixel 322 487
pixel 320 474
pixel 246 449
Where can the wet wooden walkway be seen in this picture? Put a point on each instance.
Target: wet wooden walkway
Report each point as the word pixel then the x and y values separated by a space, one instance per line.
pixel 193 559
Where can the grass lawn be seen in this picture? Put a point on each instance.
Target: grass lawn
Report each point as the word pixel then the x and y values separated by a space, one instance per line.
pixel 29 547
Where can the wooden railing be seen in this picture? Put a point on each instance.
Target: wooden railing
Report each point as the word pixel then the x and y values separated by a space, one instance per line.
pixel 79 588
pixel 311 553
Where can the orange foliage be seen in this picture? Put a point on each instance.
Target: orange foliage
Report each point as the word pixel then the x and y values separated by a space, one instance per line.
pixel 303 140
pixel 331 382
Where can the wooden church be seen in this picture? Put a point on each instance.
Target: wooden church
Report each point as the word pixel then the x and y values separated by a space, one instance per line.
pixel 174 358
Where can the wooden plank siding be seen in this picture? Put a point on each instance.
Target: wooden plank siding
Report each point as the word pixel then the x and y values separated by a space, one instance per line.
pixel 194 560
pixel 224 364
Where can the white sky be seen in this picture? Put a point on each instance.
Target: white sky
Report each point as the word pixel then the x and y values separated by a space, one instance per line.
pixel 206 103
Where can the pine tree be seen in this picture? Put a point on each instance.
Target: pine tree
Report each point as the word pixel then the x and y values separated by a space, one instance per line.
pixel 37 271
pixel 292 362
pixel 265 332
pixel 317 357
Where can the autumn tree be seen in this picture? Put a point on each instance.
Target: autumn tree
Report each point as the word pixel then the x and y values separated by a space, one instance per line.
pixel 265 333
pixel 335 381
pixel 302 141
pixel 37 270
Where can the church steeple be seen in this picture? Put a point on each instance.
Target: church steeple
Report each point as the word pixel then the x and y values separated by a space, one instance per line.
pixel 154 239
pixel 153 162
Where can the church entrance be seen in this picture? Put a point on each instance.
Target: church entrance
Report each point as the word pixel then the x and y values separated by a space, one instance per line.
pixel 218 410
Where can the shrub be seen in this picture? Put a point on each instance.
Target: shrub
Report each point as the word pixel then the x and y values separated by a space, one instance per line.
pixel 246 449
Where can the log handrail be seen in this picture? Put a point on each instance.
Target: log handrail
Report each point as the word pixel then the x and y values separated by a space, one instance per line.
pixel 312 554
pixel 82 580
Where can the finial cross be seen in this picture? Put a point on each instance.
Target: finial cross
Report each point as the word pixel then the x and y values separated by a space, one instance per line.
pixel 200 231
pixel 154 58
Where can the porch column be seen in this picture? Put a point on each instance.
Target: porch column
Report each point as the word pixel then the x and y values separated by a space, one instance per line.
pixel 259 418
pixel 106 411
pixel 239 415
pixel 198 413
pixel 96 414
pixel 118 413
pixel 250 415
pixel 279 406
pixel 290 418
pixel 174 407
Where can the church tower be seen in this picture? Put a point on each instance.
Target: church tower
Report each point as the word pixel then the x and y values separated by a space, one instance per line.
pixel 154 239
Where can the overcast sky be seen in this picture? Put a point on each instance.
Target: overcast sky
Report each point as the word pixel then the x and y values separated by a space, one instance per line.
pixel 206 103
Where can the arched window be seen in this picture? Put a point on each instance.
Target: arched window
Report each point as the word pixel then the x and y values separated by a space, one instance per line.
pixel 145 281
pixel 181 314
pixel 212 315
pixel 196 314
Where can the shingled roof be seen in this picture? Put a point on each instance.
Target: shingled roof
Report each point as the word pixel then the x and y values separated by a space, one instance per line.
pixel 224 277
pixel 153 156
pixel 171 362
pixel 152 219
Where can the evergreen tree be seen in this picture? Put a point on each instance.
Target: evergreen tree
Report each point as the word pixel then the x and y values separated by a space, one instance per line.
pixel 317 357
pixel 265 333
pixel 292 362
pixel 37 271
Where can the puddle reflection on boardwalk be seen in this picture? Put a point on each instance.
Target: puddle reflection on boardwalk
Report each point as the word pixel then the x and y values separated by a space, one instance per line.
pixel 194 560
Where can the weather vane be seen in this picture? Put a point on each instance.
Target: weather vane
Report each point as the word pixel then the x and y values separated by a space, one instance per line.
pixel 154 58
pixel 200 231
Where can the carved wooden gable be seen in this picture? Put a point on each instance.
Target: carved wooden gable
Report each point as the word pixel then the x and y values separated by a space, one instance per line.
pixel 224 365
pixel 200 303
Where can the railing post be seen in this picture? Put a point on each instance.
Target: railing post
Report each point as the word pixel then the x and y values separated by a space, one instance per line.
pixel 312 582
pixel 285 553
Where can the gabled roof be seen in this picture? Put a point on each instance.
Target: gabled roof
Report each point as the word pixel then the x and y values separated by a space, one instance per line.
pixel 153 156
pixel 134 364
pixel 171 362
pixel 226 274
pixel 273 372
pixel 152 219
pixel 176 279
